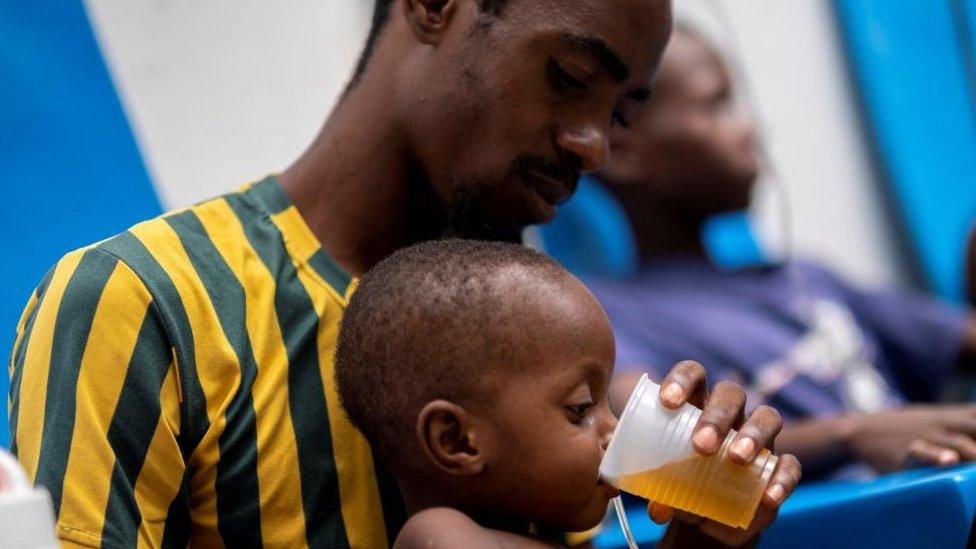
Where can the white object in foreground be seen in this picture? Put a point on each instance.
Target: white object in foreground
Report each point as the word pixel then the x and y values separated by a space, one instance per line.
pixel 26 513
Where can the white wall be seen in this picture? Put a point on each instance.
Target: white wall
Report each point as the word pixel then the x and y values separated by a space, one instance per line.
pixel 793 56
pixel 224 91
pixel 221 92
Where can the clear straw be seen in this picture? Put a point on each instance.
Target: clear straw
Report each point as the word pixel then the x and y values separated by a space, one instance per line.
pixel 618 506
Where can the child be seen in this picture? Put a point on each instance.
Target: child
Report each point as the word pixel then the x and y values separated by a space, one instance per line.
pixel 479 373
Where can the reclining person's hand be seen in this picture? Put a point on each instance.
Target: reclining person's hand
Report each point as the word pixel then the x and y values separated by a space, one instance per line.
pixel 917 435
pixel 724 410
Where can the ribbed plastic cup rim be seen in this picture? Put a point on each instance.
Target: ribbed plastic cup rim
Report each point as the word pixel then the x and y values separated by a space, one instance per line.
pixel 635 397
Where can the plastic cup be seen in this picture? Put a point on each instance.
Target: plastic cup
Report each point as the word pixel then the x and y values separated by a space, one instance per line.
pixel 651 456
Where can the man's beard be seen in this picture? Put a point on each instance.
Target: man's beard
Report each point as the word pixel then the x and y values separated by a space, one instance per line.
pixel 462 215
pixel 467 220
pixel 457 216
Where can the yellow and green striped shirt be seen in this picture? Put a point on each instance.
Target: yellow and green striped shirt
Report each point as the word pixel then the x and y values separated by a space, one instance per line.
pixel 174 385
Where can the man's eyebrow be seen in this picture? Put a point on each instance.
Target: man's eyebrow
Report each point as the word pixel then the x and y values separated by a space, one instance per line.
pixel 608 57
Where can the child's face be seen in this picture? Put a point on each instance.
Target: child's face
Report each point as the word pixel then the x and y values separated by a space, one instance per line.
pixel 551 420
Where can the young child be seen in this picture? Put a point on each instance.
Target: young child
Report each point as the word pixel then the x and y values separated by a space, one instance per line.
pixel 479 373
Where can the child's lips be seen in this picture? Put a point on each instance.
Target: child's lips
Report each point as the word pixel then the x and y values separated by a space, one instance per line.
pixel 609 489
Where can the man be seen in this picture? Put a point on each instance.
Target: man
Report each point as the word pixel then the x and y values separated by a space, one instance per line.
pixel 174 384
pixel 839 361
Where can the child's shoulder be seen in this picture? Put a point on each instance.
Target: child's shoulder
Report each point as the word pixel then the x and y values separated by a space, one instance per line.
pixel 443 527
pixel 438 527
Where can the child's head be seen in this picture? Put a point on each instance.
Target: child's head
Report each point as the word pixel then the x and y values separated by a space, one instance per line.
pixel 691 148
pixel 479 373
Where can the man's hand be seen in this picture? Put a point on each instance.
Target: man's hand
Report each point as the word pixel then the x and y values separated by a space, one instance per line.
pixel 723 410
pixel 917 435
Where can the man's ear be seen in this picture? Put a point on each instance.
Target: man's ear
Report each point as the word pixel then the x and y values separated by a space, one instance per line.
pixel 429 19
pixel 449 438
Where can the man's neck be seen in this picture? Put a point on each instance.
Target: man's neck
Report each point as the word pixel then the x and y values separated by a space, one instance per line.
pixel 357 185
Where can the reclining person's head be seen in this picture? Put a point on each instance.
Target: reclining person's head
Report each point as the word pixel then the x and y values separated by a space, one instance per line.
pixel 479 372
pixel 690 151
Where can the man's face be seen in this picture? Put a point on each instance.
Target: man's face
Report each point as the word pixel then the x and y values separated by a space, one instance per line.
pixel 693 147
pixel 512 107
pixel 550 416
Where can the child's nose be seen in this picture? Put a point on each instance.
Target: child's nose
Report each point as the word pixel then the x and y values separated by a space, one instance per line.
pixel 609 424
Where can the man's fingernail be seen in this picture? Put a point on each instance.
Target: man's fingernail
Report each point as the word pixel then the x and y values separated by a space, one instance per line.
pixel 706 438
pixel 743 448
pixel 775 493
pixel 672 393
pixel 660 514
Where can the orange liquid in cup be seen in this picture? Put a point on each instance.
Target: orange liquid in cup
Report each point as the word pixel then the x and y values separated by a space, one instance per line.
pixel 711 487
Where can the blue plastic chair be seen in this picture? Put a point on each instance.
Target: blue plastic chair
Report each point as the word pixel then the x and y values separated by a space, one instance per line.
pixel 592 237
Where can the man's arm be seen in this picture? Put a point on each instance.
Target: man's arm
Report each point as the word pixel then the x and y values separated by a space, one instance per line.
pixel 723 409
pixel 95 404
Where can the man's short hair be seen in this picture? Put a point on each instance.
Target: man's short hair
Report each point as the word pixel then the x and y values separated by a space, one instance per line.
pixel 381 14
pixel 428 323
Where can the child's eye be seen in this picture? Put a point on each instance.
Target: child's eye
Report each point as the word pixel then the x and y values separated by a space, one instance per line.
pixel 578 411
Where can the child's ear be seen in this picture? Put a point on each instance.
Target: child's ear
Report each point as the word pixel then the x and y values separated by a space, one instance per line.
pixel 449 438
pixel 429 19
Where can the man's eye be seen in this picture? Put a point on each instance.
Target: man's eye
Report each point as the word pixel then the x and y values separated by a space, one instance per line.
pixel 619 120
pixel 562 80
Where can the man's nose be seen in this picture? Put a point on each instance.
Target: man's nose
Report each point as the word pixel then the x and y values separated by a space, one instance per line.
pixel 589 145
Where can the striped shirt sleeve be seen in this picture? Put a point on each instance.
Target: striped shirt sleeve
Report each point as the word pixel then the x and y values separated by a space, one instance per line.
pixel 94 404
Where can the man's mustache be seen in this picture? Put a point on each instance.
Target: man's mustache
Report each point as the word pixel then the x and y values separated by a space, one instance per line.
pixel 526 164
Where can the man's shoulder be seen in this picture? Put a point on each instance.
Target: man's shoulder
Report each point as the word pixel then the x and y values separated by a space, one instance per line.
pixel 149 248
pixel 160 249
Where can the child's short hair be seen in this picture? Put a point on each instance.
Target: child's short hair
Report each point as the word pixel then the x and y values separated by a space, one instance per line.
pixel 425 324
